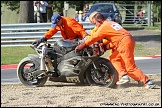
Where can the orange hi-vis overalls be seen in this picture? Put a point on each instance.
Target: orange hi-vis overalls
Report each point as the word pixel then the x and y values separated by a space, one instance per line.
pixel 104 41
pixel 123 49
pixel 71 29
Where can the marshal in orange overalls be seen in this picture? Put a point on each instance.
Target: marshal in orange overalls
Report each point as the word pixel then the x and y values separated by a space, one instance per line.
pixel 123 45
pixel 71 29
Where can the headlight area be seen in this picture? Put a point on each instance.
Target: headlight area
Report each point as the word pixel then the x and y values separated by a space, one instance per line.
pixel 117 19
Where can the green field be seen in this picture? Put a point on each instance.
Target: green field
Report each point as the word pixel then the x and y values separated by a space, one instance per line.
pixel 13 55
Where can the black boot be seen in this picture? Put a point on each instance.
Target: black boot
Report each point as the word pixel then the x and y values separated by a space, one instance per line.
pixel 55 74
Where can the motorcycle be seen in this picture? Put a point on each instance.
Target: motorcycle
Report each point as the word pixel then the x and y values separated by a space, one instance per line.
pixel 138 20
pixel 81 67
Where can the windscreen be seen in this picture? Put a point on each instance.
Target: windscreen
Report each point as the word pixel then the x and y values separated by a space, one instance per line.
pixel 103 8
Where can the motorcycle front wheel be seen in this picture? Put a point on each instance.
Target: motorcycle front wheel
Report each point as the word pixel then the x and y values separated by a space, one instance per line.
pixel 105 75
pixel 27 77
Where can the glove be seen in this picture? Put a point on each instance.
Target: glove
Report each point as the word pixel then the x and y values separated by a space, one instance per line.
pixel 37 42
pixel 80 47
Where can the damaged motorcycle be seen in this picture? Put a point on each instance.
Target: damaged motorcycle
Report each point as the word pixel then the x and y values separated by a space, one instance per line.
pixel 83 67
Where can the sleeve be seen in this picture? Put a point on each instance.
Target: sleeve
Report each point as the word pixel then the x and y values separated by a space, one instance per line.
pixel 50 33
pixel 84 10
pixel 77 28
pixel 94 29
pixel 98 35
pixel 43 3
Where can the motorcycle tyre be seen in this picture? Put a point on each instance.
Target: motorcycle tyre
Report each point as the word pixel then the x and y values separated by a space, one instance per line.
pixel 20 67
pixel 113 72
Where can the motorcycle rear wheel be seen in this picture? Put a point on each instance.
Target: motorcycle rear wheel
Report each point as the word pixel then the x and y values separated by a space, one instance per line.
pixel 24 73
pixel 105 76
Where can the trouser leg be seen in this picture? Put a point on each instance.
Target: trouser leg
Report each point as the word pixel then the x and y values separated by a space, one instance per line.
pixel 117 61
pixel 126 50
pixel 44 17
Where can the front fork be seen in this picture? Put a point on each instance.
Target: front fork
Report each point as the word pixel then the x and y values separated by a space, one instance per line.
pixel 42 57
pixel 45 63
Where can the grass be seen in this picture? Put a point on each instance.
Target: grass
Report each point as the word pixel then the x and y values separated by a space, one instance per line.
pixel 157 26
pixel 139 50
pixel 13 55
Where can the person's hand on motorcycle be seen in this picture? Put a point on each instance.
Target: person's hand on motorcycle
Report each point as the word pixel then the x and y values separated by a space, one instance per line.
pixel 80 47
pixel 38 41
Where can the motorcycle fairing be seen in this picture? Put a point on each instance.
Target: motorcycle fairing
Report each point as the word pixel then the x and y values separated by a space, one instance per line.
pixel 64 46
pixel 75 65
